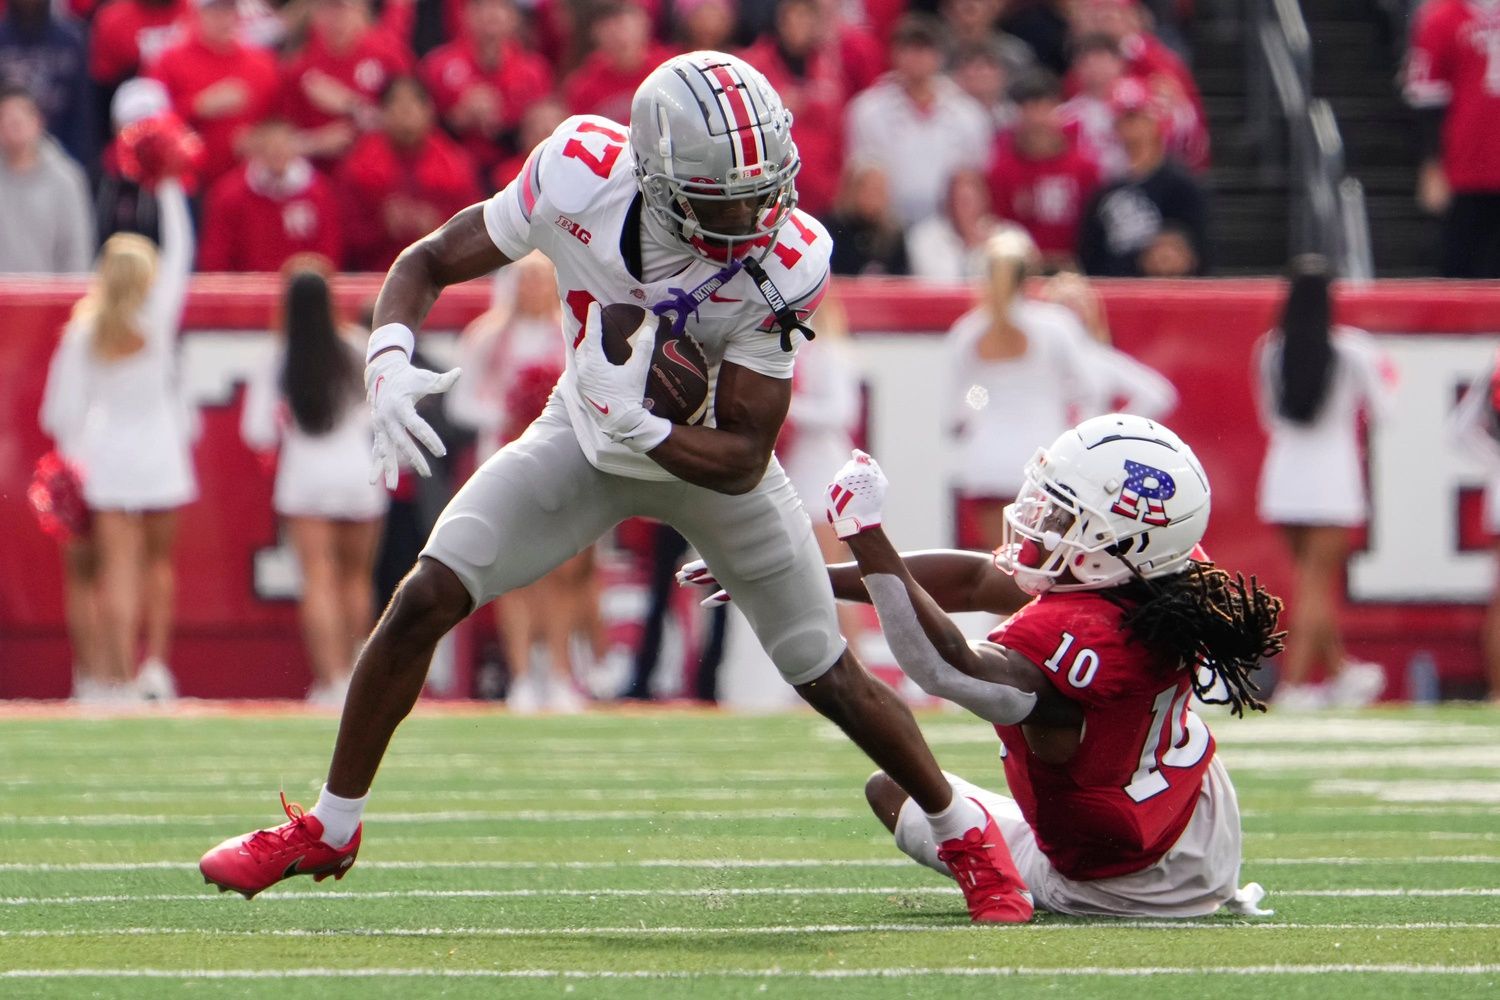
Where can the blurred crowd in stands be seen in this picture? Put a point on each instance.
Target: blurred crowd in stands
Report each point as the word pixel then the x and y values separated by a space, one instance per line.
pixel 351 127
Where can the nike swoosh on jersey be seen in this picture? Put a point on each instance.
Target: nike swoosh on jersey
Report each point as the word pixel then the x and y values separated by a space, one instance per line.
pixel 714 297
pixel 602 409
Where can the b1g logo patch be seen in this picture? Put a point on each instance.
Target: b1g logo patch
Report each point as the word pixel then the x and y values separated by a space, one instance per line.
pixel 1142 482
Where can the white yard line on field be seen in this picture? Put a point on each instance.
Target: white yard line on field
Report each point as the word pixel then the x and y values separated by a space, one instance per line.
pixel 1209 924
pixel 771 973
pixel 317 895
pixel 451 816
pixel 715 864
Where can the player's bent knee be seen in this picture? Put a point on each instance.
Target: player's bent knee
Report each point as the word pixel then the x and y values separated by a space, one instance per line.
pixel 805 654
pixel 430 599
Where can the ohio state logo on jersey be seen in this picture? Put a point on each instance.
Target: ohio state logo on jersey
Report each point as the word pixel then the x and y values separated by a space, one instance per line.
pixel 1143 482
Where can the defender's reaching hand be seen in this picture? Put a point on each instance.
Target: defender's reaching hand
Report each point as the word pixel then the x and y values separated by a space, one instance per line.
pixel 856 496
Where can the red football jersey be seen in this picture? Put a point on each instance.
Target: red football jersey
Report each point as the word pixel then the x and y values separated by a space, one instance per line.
pixel 1046 196
pixel 1454 62
pixel 1125 797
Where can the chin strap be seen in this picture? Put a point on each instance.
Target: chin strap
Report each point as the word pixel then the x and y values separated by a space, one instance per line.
pixel 786 316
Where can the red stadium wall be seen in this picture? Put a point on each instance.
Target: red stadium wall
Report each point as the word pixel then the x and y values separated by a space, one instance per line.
pixel 230 643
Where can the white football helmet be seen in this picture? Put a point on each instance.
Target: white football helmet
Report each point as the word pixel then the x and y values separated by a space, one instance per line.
pixel 1115 492
pixel 707 126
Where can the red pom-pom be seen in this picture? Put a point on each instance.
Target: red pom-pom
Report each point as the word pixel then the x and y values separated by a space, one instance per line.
pixel 56 495
pixel 528 395
pixel 159 147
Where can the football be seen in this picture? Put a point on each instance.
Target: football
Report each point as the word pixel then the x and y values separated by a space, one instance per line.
pixel 677 383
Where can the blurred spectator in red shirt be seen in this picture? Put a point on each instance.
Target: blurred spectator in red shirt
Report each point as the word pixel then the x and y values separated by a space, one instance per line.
pixel 272 208
pixel 1450 80
pixel 218 86
pixel 861 52
pixel 1097 68
pixel 539 121
pixel 1040 177
pixel 798 59
pixel 46 54
pixel 561 28
pixel 985 70
pixel 401 182
pixel 330 89
pixel 129 34
pixel 484 79
pixel 624 54
pixel 1155 66
pixel 704 24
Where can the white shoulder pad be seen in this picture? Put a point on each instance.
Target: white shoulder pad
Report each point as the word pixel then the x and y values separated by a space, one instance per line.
pixel 583 154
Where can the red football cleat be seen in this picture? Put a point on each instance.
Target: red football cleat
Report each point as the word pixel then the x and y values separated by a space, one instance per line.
pixel 985 871
pixel 255 861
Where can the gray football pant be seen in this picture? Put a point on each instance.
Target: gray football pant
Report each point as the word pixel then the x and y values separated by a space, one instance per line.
pixel 538 501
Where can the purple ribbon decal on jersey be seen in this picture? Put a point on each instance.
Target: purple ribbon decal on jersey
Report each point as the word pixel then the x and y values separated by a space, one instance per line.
pixel 685 303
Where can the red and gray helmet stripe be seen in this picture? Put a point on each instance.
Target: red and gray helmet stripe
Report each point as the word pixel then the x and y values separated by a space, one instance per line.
pixel 742 112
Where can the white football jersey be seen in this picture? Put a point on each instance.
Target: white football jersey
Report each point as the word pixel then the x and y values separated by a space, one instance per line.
pixel 576 200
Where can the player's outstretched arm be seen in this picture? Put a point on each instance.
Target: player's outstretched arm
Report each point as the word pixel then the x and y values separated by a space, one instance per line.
pixel 731 457
pixel 957 580
pixel 996 684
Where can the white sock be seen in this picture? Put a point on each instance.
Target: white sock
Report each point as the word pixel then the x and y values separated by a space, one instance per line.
pixel 339 816
pixel 961 816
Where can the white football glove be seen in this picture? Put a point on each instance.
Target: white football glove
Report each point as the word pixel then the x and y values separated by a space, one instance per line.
pixel 856 496
pixel 393 386
pixel 697 574
pixel 614 395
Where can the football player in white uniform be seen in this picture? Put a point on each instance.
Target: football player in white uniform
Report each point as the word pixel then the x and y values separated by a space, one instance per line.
pixel 691 210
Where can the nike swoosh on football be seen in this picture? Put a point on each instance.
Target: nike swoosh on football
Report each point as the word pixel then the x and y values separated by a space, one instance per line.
pixel 674 353
pixel 714 297
pixel 602 409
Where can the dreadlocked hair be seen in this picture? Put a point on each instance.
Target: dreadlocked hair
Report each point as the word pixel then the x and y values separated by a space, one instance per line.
pixel 1215 624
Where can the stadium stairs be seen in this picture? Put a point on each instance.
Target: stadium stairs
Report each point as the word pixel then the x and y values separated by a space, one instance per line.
pixel 1355 60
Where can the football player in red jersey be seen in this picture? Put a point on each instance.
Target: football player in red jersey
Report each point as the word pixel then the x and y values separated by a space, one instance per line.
pixel 1139 818
pixel 696 197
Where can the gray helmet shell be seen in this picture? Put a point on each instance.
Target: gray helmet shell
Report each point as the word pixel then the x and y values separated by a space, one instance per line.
pixel 707 126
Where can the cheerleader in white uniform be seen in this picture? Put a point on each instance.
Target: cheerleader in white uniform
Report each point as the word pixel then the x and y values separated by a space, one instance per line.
pixel 1312 382
pixel 309 400
pixel 511 357
pixel 1020 371
pixel 131 436
pixel 1475 425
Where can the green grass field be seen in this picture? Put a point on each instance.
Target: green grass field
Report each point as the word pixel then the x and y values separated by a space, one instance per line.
pixel 669 855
